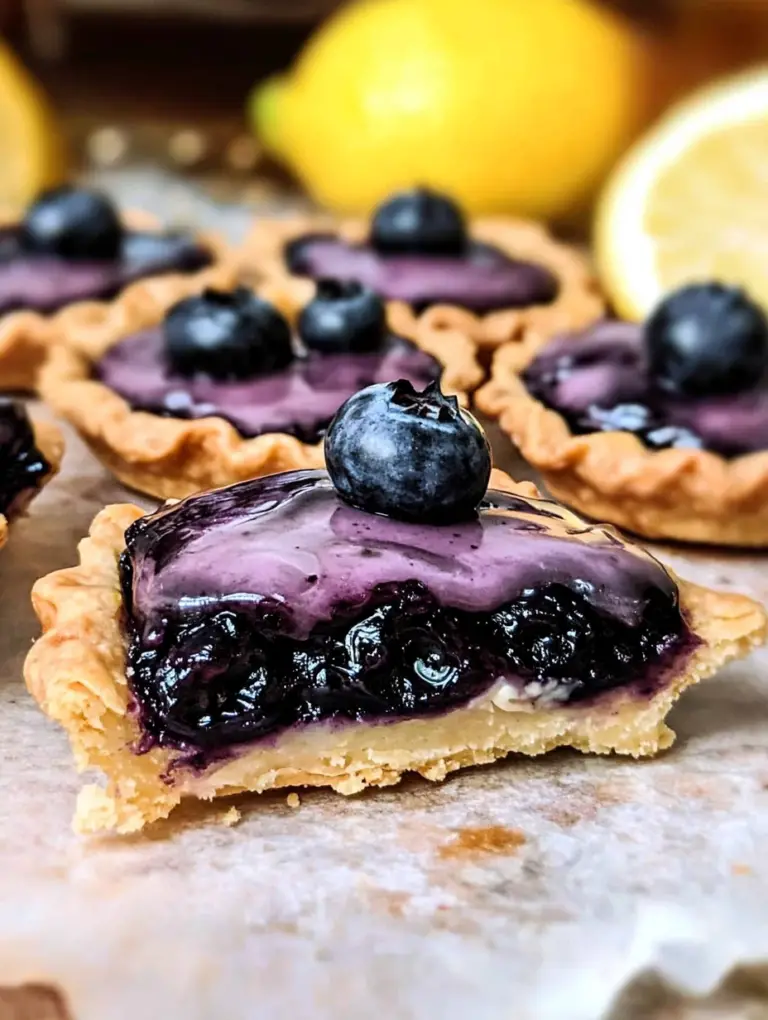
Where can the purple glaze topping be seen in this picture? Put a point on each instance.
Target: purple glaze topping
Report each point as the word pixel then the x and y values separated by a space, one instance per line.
pixel 483 279
pixel 300 399
pixel 598 380
pixel 22 466
pixel 290 540
pixel 45 283
pixel 272 604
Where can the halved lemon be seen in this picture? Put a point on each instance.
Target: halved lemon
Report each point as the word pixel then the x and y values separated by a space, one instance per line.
pixel 690 201
pixel 31 150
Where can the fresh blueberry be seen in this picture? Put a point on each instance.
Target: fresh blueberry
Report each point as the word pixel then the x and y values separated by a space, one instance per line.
pixel 73 223
pixel 226 335
pixel 421 222
pixel 707 339
pixel 415 456
pixel 343 316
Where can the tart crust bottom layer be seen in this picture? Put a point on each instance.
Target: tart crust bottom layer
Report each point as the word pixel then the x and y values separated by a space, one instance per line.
pixel 50 442
pixel 76 671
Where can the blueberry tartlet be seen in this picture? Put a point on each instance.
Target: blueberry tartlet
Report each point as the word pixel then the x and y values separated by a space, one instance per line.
pixel 660 427
pixel 226 386
pixel 72 254
pixel 30 455
pixel 342 629
pixel 495 280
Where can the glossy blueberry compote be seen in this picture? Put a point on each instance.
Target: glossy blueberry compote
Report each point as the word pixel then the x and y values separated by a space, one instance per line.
pixel 22 466
pixel 275 603
pixel 420 252
pixel 235 357
pixel 68 248
pixel 693 377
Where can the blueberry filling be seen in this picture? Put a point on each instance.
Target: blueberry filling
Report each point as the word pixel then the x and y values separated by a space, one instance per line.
pixel 693 378
pixel 400 655
pixel 22 466
pixel 420 252
pixel 233 356
pixel 71 246
pixel 272 604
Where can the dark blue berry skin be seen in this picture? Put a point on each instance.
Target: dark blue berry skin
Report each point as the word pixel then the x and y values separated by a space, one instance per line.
pixel 72 223
pixel 343 317
pixel 414 456
pixel 226 335
pixel 419 222
pixel 707 339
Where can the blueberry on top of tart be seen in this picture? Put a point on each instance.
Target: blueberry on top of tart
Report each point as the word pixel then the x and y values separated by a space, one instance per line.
pixel 692 377
pixel 343 629
pixel 29 455
pixel 71 245
pixel 234 355
pixel 420 251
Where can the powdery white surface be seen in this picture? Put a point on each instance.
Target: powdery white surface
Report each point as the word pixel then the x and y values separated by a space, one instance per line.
pixel 529 889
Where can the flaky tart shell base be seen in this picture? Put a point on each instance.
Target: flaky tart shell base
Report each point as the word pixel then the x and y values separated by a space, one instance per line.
pixel 50 442
pixel 684 495
pixel 578 304
pixel 175 457
pixel 76 672
pixel 27 336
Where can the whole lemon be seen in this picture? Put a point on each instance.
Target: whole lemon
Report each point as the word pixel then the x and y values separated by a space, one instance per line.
pixel 509 105
pixel 32 153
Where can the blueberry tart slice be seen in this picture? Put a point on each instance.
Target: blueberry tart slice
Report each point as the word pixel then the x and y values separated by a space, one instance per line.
pixel 342 629
pixel 227 385
pixel 659 427
pixel 30 455
pixel 495 280
pixel 72 248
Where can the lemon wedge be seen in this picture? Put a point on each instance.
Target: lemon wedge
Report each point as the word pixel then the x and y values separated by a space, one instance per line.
pixel 31 149
pixel 690 200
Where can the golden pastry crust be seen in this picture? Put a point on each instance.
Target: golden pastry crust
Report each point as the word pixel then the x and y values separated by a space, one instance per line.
pixel 27 336
pixel 50 442
pixel 688 495
pixel 578 304
pixel 76 672
pixel 174 457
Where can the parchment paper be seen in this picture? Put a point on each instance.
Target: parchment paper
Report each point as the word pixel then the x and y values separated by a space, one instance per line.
pixel 564 888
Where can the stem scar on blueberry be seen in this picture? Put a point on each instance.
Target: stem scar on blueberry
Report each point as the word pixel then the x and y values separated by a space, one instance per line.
pixel 417 457
pixel 343 317
pixel 227 335
pixel 707 339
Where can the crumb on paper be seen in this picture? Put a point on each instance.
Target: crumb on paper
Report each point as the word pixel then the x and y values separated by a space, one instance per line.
pixel 292 800
pixel 741 869
pixel 231 817
pixel 490 839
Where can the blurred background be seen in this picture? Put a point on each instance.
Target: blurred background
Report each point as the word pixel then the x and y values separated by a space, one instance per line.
pixel 175 102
